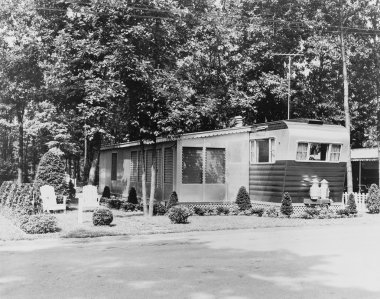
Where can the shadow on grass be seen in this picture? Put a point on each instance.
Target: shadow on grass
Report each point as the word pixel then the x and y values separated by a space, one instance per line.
pixel 83 233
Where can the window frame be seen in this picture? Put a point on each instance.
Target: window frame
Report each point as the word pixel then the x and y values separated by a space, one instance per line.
pixel 114 166
pixel 328 153
pixel 253 158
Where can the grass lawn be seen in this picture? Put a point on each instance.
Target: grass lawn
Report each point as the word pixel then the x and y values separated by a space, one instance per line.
pixel 135 223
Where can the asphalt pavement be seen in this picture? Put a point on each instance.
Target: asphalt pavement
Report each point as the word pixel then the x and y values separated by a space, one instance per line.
pixel 298 262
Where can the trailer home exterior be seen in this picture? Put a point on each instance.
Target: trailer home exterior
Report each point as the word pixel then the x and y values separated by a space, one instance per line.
pixel 268 159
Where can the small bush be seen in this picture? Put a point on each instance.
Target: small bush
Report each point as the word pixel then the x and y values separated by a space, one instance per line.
pixel 178 214
pixel 220 210
pixel 102 216
pixel 114 203
pixel 242 199
pixel 132 196
pixel 271 212
pixel 128 207
pixel 159 209
pixel 199 211
pixel 173 200
pixel 351 204
pixel 373 199
pixel 312 212
pixel 234 210
pixel 38 224
pixel 210 211
pixel 72 190
pixel 343 212
pixel 326 213
pixel 286 204
pixel 106 192
pixel 258 211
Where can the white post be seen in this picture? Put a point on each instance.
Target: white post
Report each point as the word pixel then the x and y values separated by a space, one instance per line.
pixel 80 210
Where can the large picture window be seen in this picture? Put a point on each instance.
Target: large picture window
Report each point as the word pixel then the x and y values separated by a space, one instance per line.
pixel 215 165
pixel 313 151
pixel 263 150
pixel 192 165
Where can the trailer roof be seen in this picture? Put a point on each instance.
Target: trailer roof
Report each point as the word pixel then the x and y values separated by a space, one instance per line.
pixel 269 126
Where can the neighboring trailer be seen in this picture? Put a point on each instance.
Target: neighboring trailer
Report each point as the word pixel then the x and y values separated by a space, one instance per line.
pixel 287 155
pixel 268 159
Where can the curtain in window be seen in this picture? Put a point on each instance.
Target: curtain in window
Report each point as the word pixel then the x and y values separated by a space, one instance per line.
pixel 215 165
pixel 301 151
pixel 335 152
pixel 192 165
pixel 114 167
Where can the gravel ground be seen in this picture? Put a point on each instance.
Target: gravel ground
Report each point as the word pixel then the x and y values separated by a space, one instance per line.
pixel 135 224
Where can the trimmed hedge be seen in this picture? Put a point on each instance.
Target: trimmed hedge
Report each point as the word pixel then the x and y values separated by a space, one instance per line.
pixel 102 216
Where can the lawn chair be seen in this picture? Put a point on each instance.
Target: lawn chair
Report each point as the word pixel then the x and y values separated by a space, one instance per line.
pixel 91 197
pixel 49 200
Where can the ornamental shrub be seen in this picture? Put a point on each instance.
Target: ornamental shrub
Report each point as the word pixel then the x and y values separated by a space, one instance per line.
pixel 128 207
pixel 199 211
pixel 173 200
pixel 102 216
pixel 373 199
pixel 234 210
pixel 159 209
pixel 71 190
pixel 220 210
pixel 114 203
pixel 286 204
pixel 178 214
pixel 258 211
pixel 343 212
pixel 106 192
pixel 38 224
pixel 351 204
pixel 132 196
pixel 242 199
pixel 271 212
pixel 51 171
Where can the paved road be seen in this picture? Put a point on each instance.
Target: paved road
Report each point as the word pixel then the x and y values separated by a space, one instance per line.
pixel 311 262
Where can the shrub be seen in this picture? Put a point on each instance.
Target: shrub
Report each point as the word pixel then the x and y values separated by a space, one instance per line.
pixel 210 211
pixel 51 171
pixel 102 216
pixel 234 210
pixel 72 190
pixel 178 214
pixel 242 199
pixel 373 199
pixel 286 204
pixel 128 207
pixel 114 203
pixel 132 195
pixel 38 224
pixel 199 211
pixel 312 212
pixel 326 213
pixel 173 200
pixel 343 212
pixel 220 210
pixel 258 211
pixel 271 212
pixel 351 204
pixel 106 192
pixel 159 209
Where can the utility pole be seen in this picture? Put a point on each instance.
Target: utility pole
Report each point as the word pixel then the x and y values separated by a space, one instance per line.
pixel 290 55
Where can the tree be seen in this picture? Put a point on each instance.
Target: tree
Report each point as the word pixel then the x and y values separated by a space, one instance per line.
pixel 242 199
pixel 286 204
pixel 373 199
pixel 21 77
pixel 351 204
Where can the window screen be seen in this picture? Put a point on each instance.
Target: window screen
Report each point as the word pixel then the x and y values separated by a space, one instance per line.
pixel 192 165
pixel 134 173
pixel 318 151
pixel 114 167
pixel 140 166
pixel 149 161
pixel 215 165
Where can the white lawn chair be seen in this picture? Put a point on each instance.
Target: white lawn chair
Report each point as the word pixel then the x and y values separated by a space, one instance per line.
pixel 91 197
pixel 49 200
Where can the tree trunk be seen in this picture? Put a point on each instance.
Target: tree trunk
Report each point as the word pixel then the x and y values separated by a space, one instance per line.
pixel 153 180
pixel 20 166
pixel 346 107
pixel 95 159
pixel 143 179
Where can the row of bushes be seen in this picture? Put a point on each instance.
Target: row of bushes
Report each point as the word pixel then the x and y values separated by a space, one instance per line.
pixel 16 202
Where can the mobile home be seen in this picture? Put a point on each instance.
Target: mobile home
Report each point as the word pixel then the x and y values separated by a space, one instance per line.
pixel 268 159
